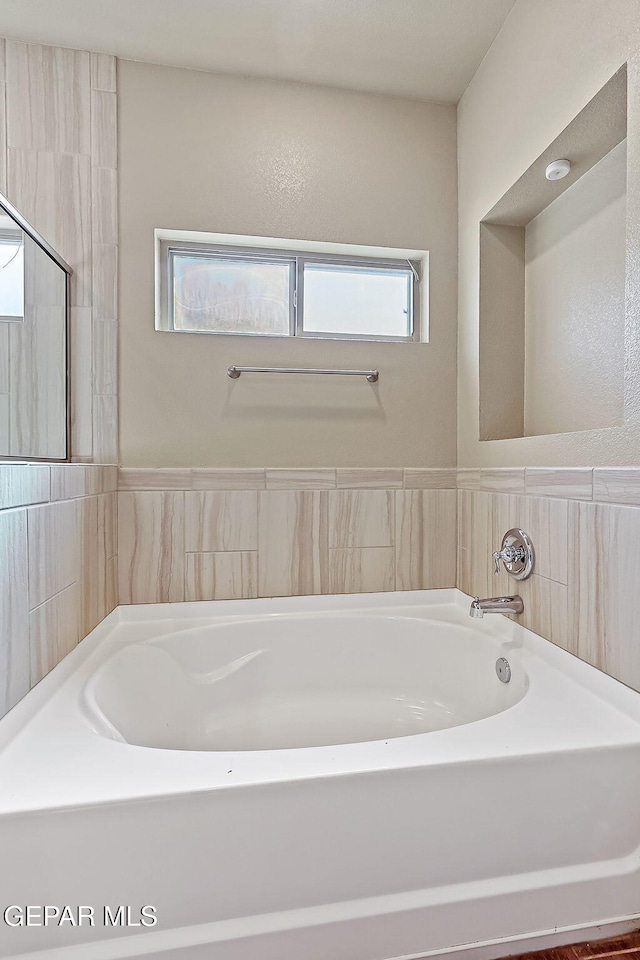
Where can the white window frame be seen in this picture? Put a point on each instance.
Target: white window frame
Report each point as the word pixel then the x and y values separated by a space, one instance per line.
pixel 167 247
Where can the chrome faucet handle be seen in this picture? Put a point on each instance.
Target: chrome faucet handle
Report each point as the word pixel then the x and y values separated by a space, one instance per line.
pixel 508 554
pixel 516 553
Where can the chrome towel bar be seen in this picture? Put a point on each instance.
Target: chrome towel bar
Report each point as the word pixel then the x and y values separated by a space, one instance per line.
pixel 371 375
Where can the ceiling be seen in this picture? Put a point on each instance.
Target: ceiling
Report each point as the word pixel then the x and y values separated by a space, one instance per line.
pixel 425 49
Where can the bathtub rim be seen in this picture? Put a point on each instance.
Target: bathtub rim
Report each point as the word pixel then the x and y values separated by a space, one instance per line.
pixel 42 730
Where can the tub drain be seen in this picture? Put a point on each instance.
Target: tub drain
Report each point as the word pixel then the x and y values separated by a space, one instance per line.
pixel 503 669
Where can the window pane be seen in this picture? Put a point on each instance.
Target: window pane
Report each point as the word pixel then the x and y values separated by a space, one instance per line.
pixel 12 278
pixel 356 300
pixel 235 296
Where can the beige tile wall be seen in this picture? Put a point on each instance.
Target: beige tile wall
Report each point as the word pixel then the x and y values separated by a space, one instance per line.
pixel 58 159
pixel 585 525
pixel 218 534
pixel 226 534
pixel 58 565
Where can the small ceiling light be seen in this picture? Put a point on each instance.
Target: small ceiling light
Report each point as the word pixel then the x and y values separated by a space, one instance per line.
pixel 557 170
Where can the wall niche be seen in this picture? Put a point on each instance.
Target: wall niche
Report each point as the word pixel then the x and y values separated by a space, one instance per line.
pixel 552 284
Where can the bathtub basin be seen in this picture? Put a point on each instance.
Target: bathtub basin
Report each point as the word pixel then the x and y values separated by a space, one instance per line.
pixel 300 680
pixel 340 777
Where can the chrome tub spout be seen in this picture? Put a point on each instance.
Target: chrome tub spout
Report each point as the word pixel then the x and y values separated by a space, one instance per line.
pixel 495 605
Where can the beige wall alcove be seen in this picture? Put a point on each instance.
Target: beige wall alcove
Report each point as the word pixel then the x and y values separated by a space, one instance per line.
pixel 552 284
pixel 546 65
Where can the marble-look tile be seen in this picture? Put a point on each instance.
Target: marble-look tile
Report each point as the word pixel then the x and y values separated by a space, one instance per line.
pixel 503 515
pixel 81 366
pixel 5 430
pixel 103 72
pixel 5 379
pixel 217 520
pixel 105 429
pixel 228 478
pixel 110 475
pixel 506 511
pixel 300 478
pixel 468 478
pixel 547 525
pixel 425 539
pixel 605 575
pixel 22 484
pixel 418 478
pixel 154 478
pixel 3 138
pixel 112 579
pixel 616 485
pixel 44 282
pixel 105 357
pixel 69 481
pixel 111 537
pixel 104 143
pixel 104 199
pixel 475 534
pixel 221 576
pixel 466 503
pixel 545 520
pixel 14 609
pixel 463 570
pixel 545 601
pixel 104 297
pixel 362 570
pixel 502 479
pixel 546 609
pixel 362 478
pixel 292 542
pixel 72 480
pixel 150 546
pixel 36 181
pixel 361 518
pixel 37 421
pixel 571 483
pixel 97 519
pixel 53 631
pixel 54 549
pixel 55 83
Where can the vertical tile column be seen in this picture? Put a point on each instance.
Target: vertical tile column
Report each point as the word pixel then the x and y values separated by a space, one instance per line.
pixel 104 236
pixel 49 181
pixel 58 157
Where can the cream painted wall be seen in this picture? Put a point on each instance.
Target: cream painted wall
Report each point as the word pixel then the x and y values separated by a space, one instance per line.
pixel 546 63
pixel 204 152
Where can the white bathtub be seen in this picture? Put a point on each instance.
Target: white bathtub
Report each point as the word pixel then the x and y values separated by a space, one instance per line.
pixel 327 778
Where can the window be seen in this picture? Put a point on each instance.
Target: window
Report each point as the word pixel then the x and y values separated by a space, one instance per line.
pixel 211 288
